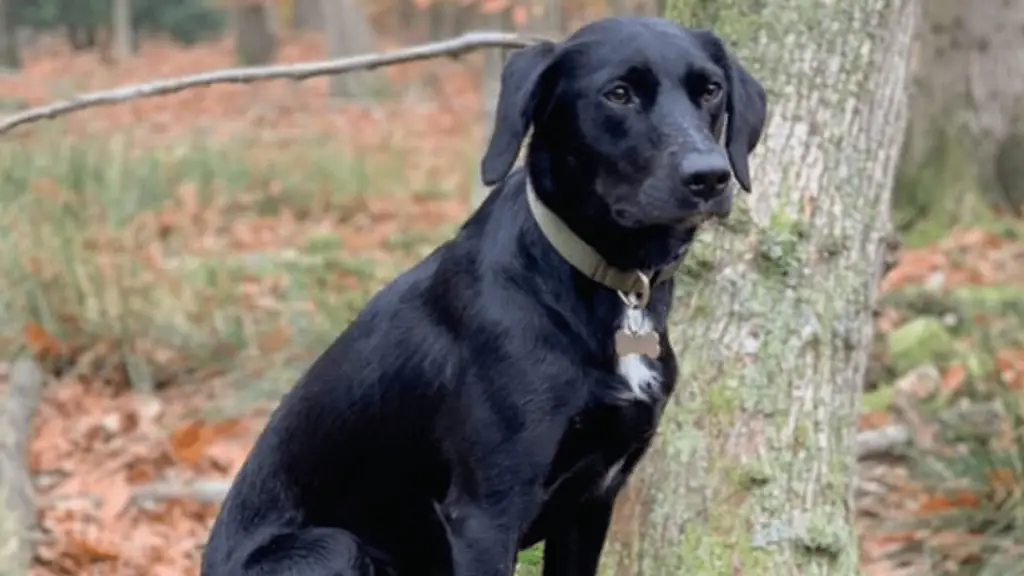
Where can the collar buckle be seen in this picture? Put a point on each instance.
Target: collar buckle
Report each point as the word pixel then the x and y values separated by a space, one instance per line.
pixel 640 298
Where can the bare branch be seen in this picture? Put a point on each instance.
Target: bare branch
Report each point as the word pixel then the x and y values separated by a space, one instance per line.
pixel 885 441
pixel 452 48
pixel 981 420
pixel 202 490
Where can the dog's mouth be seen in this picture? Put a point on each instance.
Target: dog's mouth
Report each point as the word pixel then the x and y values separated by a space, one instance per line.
pixel 675 209
pixel 688 219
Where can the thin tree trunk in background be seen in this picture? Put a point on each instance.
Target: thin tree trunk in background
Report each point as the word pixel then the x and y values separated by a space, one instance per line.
pixel 968 102
pixel 617 7
pixel 494 60
pixel 255 39
pixel 405 16
pixel 122 29
pixel 443 16
pixel 547 17
pixel 307 15
pixel 753 467
pixel 10 55
pixel 650 7
pixel 349 32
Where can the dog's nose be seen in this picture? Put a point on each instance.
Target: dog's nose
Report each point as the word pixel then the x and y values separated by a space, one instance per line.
pixel 705 174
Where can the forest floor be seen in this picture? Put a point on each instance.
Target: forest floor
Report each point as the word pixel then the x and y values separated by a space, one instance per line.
pixel 203 245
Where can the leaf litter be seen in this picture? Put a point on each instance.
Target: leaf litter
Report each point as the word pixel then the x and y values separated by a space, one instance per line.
pixel 896 507
pixel 99 448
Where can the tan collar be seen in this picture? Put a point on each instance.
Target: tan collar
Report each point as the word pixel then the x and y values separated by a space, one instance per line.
pixel 634 286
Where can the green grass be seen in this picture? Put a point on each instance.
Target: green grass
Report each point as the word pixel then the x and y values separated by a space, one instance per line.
pixel 530 562
pixel 79 220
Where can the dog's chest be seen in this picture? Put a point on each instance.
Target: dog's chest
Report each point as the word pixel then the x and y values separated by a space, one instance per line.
pixel 597 452
pixel 642 374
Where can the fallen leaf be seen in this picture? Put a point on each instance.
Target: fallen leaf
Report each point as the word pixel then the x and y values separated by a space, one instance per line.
pixel 117 494
pixel 40 342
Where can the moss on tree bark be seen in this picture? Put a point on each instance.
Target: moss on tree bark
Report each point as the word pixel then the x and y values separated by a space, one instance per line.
pixel 752 470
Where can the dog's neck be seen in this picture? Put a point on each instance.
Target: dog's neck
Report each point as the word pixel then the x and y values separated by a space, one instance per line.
pixel 647 248
pixel 589 261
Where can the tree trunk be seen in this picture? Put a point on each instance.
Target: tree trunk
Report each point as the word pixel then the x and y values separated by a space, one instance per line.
pixel 494 60
pixel 307 15
pixel 443 18
pixel 122 29
pixel 617 7
pixel 405 21
pixel 546 17
pixel 753 468
pixel 349 32
pixel 967 105
pixel 255 40
pixel 10 57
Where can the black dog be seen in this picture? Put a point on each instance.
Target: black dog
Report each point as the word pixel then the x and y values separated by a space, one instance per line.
pixel 501 391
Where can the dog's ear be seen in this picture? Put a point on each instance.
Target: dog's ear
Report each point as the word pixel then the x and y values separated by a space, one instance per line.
pixel 516 101
pixel 747 109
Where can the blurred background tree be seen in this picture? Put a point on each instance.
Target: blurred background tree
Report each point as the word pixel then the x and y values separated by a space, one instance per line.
pixel 963 153
pixel 10 58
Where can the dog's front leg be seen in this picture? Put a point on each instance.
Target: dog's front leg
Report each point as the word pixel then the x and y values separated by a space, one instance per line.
pixel 485 536
pixel 496 491
pixel 574 547
pixel 501 434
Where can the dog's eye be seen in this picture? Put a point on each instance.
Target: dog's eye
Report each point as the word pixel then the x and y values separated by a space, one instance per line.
pixel 711 93
pixel 619 95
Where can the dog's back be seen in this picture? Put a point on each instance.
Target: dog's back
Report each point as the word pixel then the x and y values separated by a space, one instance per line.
pixel 351 447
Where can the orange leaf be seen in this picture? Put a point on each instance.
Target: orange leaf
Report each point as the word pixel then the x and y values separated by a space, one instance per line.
pixel 954 378
pixel 520 15
pixel 914 266
pixel 93 549
pixel 40 342
pixel 896 537
pixel 1002 478
pixel 493 6
pixel 188 443
pixel 973 238
pixel 117 494
pixel 1010 359
pixel 871 420
pixel 944 503
pixel 275 339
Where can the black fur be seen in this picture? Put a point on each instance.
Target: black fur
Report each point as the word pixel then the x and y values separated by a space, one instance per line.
pixel 473 407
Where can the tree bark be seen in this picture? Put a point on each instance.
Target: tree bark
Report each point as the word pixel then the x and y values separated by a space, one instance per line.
pixel 967 103
pixel 753 467
pixel 255 38
pixel 307 15
pixel 546 17
pixel 443 17
pixel 349 32
pixel 122 29
pixel 10 55
pixel 17 506
pixel 490 86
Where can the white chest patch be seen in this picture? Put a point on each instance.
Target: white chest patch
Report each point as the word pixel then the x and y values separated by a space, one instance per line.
pixel 642 374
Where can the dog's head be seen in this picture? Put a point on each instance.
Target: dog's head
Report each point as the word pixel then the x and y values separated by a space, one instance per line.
pixel 627 117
